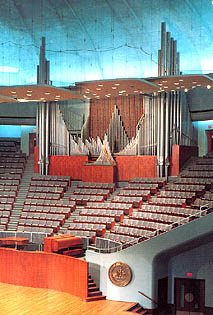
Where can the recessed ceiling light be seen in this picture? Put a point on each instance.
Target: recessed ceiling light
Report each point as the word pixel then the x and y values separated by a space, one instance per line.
pixel 13 92
pixel 165 87
pixel 198 84
pixel 100 84
pixel 87 92
pixel 98 89
pixel 181 80
pixel 29 91
pixel 208 86
pixel 178 88
pixel 29 94
pixel 160 84
pixel 176 83
pixel 47 93
pixel 114 87
pixel 117 84
pixel 94 94
pixel 58 96
pixel 164 81
pixel 186 90
pixel 193 86
pixel 194 82
pixel 141 92
pixel 182 86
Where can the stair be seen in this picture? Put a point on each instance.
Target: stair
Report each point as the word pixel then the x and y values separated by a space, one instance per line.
pixel 21 196
pixel 94 294
pixel 138 309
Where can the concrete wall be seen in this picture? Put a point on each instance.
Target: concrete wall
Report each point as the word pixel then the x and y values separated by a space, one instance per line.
pixel 148 261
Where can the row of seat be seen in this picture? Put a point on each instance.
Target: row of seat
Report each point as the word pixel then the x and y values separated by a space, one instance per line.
pixel 7 200
pixel 208 195
pixel 118 215
pixel 37 229
pixel 136 202
pixel 148 225
pixel 97 192
pixel 146 180
pixel 40 195
pixel 142 186
pixel 5 214
pixel 99 229
pixel 201 168
pixel 145 194
pixel 198 174
pixel 42 189
pixel 43 216
pixel 125 207
pixel 8 188
pixel 51 178
pixel 107 221
pixel 155 217
pixel 9 176
pixel 49 183
pixel 133 232
pixel 176 202
pixel 186 187
pixel 51 203
pixel 47 209
pixel 82 200
pixel 108 186
pixel 176 211
pixel 19 165
pixel 55 225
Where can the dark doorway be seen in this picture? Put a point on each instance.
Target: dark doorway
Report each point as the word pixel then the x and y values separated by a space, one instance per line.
pixel 189 296
pixel 32 139
pixel 209 134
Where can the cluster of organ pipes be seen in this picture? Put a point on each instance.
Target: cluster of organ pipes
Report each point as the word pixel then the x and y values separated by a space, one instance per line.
pixel 116 133
pixel 165 121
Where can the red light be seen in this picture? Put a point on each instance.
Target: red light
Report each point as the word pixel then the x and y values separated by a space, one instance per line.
pixel 189 274
pixel 210 126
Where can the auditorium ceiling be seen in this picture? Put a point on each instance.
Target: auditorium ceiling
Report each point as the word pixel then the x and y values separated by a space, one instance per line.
pixel 101 39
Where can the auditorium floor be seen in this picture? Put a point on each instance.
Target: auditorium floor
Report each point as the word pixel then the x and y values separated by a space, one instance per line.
pixel 17 300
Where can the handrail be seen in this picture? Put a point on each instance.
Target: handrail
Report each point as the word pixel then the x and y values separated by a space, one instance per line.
pixel 156 232
pixel 148 297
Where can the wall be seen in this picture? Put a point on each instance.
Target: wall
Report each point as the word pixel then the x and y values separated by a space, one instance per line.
pixel 18 114
pixel 202 126
pixel 25 130
pixel 67 165
pixel 199 262
pixel 180 154
pixel 146 262
pixel 44 270
pixel 136 166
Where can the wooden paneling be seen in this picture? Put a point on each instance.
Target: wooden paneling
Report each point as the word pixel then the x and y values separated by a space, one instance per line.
pixel 98 174
pixel 36 158
pixel 44 270
pixel 67 166
pixel 136 166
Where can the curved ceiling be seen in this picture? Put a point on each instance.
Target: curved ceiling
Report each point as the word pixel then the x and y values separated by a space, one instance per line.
pixel 101 39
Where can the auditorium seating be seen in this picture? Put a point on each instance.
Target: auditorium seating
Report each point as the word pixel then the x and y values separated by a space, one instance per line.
pixel 135 201
pixel 82 200
pixel 107 186
pixel 140 186
pixel 92 192
pixel 148 180
pixel 118 215
pixel 145 194
pixel 175 202
pixel 185 195
pixel 125 207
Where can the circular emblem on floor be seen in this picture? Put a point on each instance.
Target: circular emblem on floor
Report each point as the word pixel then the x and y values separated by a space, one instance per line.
pixel 120 274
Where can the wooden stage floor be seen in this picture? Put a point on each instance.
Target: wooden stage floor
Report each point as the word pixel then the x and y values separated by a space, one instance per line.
pixel 18 300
